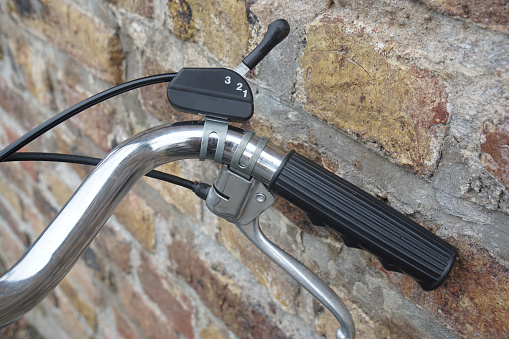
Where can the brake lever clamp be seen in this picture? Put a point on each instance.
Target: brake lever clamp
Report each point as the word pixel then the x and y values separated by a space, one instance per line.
pixel 241 201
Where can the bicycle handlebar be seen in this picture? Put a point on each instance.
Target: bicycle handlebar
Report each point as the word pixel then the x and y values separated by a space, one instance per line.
pixel 58 248
pixel 360 219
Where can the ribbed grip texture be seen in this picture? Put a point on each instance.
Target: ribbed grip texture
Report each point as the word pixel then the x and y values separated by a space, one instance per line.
pixel 365 222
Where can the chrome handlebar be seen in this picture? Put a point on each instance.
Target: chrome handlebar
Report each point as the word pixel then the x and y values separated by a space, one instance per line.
pixel 57 249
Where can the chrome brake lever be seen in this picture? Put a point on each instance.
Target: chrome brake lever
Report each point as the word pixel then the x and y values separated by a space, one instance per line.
pixel 241 201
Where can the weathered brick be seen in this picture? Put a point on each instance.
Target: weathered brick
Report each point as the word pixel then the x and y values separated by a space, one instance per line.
pixel 185 200
pixel 114 247
pixel 96 122
pixel 492 13
pixel 142 314
pixel 65 316
pixel 28 166
pixel 473 300
pixel 12 250
pixel 34 71
pixel 81 36
pixel 63 143
pixel 183 22
pixel 213 22
pixel 365 328
pixel 134 213
pixel 15 202
pixel 153 98
pixel 124 326
pixel 79 303
pixel 16 176
pixel 37 224
pixel 58 187
pixel 16 105
pixel 401 108
pixel 101 268
pixel 43 205
pixel 281 286
pixel 176 307
pixel 141 7
pixel 80 275
pixel 20 329
pixel 221 295
pixel 6 214
pixel 495 150
pixel 212 332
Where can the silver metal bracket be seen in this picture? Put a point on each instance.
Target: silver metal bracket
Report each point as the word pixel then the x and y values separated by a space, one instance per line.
pixel 237 199
pixel 219 127
pixel 241 201
pixel 242 69
pixel 245 170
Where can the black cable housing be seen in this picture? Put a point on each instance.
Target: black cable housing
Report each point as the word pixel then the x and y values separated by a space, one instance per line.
pixel 81 106
pixel 84 160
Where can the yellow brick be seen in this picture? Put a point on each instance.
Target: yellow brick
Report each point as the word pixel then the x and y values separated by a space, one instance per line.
pixel 185 200
pixel 351 86
pixel 80 35
pixel 138 218
pixel 281 286
pixel 213 23
pixel 82 306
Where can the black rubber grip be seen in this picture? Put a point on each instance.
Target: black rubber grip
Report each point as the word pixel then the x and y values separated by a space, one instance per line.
pixel 364 222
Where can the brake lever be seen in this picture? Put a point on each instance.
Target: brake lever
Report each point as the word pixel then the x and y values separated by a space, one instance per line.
pixel 241 201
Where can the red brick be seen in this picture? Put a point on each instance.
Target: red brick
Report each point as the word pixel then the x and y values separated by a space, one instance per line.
pixel 80 35
pixel 114 247
pixel 12 250
pixel 142 314
pixel 16 105
pixel 101 268
pixel 124 326
pixel 177 309
pixel 19 330
pixel 221 295
pixel 153 98
pixel 495 150
pixel 43 205
pixel 474 299
pixel 491 13
pixel 96 122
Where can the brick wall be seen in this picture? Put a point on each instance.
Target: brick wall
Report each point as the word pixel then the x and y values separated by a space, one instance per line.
pixel 407 99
